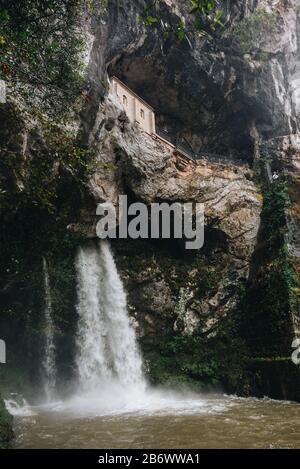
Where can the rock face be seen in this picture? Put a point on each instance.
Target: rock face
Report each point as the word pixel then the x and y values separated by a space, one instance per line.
pixel 234 91
pixel 146 169
pixel 240 85
pixel 6 431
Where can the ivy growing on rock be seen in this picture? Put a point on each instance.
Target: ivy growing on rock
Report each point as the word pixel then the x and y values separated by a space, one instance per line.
pixel 252 30
pixel 204 16
pixel 267 304
pixel 41 49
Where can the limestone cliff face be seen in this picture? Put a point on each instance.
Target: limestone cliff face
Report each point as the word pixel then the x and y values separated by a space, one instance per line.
pixel 222 100
pixel 239 89
pixel 6 432
pixel 145 169
pixel 230 90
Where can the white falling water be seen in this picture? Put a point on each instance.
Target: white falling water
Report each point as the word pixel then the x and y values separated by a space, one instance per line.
pixel 49 366
pixel 108 355
pixel 110 376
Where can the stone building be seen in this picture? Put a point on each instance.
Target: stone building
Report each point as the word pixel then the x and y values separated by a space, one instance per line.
pixel 141 112
pixel 136 108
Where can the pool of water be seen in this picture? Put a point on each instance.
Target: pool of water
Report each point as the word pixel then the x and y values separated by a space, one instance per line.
pixel 161 421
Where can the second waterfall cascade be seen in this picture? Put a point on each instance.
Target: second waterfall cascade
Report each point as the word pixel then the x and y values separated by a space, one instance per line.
pixel 49 365
pixel 108 358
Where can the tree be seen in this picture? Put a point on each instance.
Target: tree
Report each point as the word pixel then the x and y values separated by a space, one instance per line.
pixel 40 46
pixel 41 43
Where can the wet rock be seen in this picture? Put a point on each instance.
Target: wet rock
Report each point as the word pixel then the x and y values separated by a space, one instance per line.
pixel 6 428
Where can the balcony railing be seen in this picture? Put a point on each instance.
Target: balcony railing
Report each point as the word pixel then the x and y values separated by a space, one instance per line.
pixel 166 135
pixel 180 144
pixel 183 147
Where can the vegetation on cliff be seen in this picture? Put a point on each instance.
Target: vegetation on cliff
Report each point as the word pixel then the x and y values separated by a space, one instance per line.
pixel 183 356
pixel 268 320
pixel 42 190
pixel 41 50
pixel 6 432
pixel 271 301
pixel 251 31
pixel 204 17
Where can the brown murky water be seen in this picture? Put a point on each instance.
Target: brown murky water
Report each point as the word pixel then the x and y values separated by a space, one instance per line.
pixel 218 422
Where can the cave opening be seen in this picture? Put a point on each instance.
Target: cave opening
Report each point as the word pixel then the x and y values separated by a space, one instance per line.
pixel 189 106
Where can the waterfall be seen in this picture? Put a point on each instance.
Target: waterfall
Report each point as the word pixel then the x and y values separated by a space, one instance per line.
pixel 107 351
pixel 49 366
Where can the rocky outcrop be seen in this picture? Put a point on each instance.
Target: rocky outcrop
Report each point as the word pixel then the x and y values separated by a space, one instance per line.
pixel 233 91
pixel 240 84
pixel 6 429
pixel 146 169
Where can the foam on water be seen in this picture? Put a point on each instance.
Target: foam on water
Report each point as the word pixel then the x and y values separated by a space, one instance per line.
pixel 114 402
pixel 18 407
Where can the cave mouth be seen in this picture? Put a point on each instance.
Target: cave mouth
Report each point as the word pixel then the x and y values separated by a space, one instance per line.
pixel 188 104
pixel 215 240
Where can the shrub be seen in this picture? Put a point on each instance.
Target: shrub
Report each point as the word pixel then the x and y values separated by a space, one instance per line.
pixel 41 48
pixel 251 30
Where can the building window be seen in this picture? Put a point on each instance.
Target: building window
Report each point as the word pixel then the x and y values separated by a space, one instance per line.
pixel 142 113
pixel 125 100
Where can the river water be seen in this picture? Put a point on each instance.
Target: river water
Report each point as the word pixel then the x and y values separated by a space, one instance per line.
pixel 168 421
